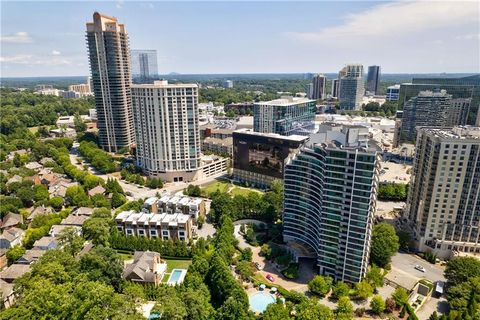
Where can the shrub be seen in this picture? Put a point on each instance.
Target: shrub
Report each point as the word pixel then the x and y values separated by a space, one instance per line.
pixel 377 304
pixel 320 285
pixel 292 271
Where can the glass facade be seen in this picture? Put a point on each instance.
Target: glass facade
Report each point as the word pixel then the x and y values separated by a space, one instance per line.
pixel 330 197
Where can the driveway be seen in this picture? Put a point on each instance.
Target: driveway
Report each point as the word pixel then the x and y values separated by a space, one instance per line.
pixel 404 273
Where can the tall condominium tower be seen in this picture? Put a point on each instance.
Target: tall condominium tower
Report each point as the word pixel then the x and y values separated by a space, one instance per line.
pixel 144 65
pixel 443 203
pixel 393 92
pixel 373 79
pixel 110 66
pixel 319 83
pixel 351 90
pixel 335 87
pixel 285 116
pixel 330 200
pixel 167 129
pixel 428 108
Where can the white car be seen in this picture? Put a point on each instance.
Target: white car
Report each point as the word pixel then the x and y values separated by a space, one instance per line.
pixel 420 268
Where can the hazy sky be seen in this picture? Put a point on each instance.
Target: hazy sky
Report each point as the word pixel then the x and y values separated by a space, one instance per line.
pixel 48 38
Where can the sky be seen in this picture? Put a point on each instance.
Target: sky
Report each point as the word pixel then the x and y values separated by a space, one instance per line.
pixel 41 38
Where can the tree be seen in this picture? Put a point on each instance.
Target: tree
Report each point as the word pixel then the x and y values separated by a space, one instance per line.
pixel 80 126
pixel 197 305
pixel 15 253
pixel 91 181
pixel 340 289
pixel 76 196
pixel 41 193
pixel 363 289
pixel 384 244
pixel 375 276
pixel 245 269
pixel 112 186
pixel 247 254
pixel 70 240
pixel 103 264
pixel 461 269
pixel 344 308
pixel 433 316
pixel 311 310
pixel 320 285
pixel 26 195
pixel 193 191
pixel 389 305
pixel 377 304
pixel 97 230
pixel 232 310
pixel 404 240
pixel 276 311
pixel 400 297
pixel 118 199
pixel 56 203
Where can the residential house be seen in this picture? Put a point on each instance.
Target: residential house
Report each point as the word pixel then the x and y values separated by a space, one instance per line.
pixel 39 211
pixel 8 297
pixel 11 237
pixel 74 220
pixel 56 229
pixel 49 179
pixel 147 267
pixel 46 243
pixel 97 190
pixel 12 154
pixel 33 165
pixel 15 178
pixel 13 272
pixel 11 220
pixel 3 258
pixel 30 256
pixel 83 211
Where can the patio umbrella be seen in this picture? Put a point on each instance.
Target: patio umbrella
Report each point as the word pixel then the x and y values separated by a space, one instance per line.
pixel 262 286
pixel 274 289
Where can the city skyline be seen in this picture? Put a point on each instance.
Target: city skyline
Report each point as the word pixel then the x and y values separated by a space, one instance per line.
pixel 322 36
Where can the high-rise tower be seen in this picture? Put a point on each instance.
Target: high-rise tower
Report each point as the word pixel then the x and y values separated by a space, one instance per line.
pixel 111 77
pixel 351 88
pixel 373 79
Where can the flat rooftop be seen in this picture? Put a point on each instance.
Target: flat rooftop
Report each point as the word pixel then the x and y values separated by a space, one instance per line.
pixel 293 137
pixel 455 133
pixel 284 101
pixel 163 84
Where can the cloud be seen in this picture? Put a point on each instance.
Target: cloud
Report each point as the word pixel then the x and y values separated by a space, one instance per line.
pixel 119 4
pixel 470 36
pixel 56 53
pixel 395 19
pixel 30 60
pixel 19 37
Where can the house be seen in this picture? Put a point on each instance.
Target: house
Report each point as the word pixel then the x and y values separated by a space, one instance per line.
pixel 45 243
pixel 8 297
pixel 59 187
pixel 3 258
pixel 15 178
pixel 39 211
pixel 49 179
pixel 30 256
pixel 11 220
pixel 56 229
pixel 12 154
pixel 13 272
pixel 11 237
pixel 33 165
pixel 147 267
pixel 83 211
pixel 63 132
pixel 97 190
pixel 35 179
pixel 74 220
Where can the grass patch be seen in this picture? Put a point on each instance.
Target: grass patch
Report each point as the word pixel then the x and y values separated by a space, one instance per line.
pixel 216 185
pixel 177 264
pixel 125 255
pixel 242 191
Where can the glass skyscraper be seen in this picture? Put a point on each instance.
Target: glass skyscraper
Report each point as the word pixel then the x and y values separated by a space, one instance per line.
pixel 329 205
pixel 144 65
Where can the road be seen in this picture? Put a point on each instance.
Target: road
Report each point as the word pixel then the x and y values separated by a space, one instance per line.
pixel 404 273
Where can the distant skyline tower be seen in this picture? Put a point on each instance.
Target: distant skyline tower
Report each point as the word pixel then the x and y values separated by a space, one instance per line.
pixel 319 82
pixel 111 77
pixel 352 88
pixel 373 79
pixel 335 87
pixel 144 64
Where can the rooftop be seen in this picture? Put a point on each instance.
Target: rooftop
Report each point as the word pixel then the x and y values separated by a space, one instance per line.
pixel 160 84
pixel 284 101
pixel 293 137
pixel 467 133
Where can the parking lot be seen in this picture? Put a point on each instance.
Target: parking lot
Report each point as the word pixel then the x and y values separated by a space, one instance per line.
pixel 404 273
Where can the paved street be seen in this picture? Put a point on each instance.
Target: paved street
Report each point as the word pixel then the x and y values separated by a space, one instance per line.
pixel 404 273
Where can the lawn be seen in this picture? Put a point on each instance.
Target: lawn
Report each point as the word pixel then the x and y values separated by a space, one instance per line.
pixel 125 256
pixel 177 264
pixel 242 191
pixel 217 185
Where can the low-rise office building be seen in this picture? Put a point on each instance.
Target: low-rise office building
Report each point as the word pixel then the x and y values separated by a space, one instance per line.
pixel 259 158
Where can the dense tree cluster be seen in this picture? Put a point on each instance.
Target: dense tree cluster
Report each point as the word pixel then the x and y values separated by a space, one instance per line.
pixel 384 244
pixel 266 207
pixel 98 158
pixel 391 191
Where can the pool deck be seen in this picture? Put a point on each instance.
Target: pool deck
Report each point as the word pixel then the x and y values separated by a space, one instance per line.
pixel 180 279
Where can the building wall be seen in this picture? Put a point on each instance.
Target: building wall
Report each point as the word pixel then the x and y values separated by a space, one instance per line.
pixel 373 79
pixel 111 77
pixel 167 129
pixel 144 65
pixel 443 202
pixel 329 204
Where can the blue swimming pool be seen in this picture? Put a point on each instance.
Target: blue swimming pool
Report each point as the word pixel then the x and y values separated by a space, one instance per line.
pixel 260 300
pixel 176 276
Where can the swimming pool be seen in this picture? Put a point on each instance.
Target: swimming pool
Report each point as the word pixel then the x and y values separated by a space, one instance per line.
pixel 177 276
pixel 260 300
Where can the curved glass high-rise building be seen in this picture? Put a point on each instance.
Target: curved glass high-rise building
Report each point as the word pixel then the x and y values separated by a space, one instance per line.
pixel 330 200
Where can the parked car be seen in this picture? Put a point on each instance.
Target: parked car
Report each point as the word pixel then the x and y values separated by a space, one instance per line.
pixel 420 268
pixel 270 278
